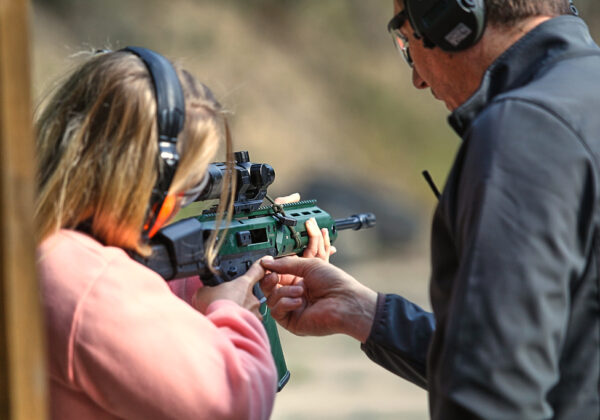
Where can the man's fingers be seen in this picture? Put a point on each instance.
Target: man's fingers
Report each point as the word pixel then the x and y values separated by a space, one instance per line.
pixel 284 292
pixel 292 198
pixel 268 283
pixel 289 265
pixel 281 309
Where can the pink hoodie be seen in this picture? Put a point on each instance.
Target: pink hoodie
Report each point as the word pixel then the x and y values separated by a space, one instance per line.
pixel 122 345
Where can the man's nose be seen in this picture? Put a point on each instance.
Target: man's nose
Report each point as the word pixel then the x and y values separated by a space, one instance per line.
pixel 417 80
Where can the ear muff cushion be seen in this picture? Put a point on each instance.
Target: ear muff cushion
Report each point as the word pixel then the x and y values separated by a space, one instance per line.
pixel 166 210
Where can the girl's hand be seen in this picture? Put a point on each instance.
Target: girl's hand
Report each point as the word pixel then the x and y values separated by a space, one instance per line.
pixel 238 290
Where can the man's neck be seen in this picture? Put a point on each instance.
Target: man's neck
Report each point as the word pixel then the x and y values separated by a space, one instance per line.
pixel 495 41
pixel 500 38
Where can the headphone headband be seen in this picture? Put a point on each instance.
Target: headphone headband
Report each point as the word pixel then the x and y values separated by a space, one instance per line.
pixel 170 104
pixel 170 118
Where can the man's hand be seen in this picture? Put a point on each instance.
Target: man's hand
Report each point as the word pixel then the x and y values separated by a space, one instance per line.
pixel 314 297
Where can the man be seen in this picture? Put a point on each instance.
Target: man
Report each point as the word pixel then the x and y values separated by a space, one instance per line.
pixel 515 329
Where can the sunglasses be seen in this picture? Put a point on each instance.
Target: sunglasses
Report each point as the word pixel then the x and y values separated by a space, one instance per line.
pixel 400 40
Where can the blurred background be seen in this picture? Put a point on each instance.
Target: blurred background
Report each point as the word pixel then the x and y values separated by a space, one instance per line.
pixel 316 89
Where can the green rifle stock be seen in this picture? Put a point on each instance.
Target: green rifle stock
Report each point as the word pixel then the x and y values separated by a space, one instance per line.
pixel 277 230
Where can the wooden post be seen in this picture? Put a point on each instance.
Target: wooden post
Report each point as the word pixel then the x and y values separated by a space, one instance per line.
pixel 23 385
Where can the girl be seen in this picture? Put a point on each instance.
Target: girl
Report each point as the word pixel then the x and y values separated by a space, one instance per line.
pixel 120 343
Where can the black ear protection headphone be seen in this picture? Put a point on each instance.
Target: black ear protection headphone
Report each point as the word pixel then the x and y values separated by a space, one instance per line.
pixel 452 25
pixel 170 117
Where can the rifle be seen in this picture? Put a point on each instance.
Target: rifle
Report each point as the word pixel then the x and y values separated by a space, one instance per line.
pixel 255 231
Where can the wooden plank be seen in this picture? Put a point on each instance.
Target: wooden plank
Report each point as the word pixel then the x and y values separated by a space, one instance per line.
pixel 23 384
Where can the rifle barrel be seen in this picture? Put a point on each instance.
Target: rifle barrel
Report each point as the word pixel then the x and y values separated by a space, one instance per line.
pixel 356 222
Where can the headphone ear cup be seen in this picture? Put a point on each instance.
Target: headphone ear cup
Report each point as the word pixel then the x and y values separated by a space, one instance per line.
pixel 452 25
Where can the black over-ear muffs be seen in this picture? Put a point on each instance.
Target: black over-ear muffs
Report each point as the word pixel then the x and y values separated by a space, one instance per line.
pixel 452 25
pixel 170 117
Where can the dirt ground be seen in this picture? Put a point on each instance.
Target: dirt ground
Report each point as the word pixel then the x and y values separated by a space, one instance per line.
pixel 331 378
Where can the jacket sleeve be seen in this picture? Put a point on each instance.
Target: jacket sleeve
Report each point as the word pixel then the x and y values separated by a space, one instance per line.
pixel 524 208
pixel 400 337
pixel 153 356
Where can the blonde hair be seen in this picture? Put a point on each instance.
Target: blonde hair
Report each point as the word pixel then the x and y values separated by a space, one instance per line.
pixel 97 150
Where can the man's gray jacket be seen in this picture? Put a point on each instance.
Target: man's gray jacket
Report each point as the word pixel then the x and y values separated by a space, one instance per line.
pixel 515 246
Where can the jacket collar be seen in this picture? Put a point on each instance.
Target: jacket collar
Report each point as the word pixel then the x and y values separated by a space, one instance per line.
pixel 546 43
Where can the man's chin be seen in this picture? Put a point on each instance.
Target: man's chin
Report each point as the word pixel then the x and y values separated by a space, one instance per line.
pixel 448 105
